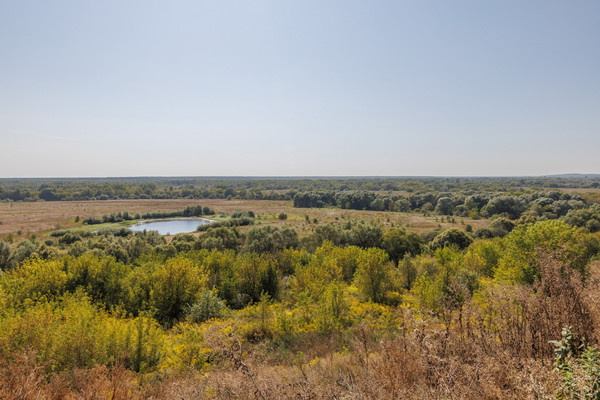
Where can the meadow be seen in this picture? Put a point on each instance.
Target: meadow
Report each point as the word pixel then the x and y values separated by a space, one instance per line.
pixel 41 218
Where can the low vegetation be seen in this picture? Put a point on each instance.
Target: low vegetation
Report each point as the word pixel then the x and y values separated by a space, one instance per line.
pixel 345 309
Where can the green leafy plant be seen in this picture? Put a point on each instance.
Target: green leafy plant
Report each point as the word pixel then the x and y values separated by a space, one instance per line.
pixel 579 368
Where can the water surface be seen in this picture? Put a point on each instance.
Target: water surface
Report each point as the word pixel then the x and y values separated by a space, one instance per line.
pixel 170 226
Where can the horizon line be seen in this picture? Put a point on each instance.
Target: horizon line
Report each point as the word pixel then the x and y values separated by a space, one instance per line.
pixel 564 175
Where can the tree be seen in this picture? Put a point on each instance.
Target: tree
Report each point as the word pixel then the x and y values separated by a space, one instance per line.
pixel 510 205
pixel 365 235
pixel 48 195
pixel 322 269
pixel 255 274
pixel 397 243
pixel 525 245
pixel 589 218
pixel 451 237
pixel 269 240
pixel 219 238
pixel 24 250
pixel 444 206
pixel 475 202
pixel 374 275
pixel 177 284
pixel 332 309
pixel 5 256
pixel 501 226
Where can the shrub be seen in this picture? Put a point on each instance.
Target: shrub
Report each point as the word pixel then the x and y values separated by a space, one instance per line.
pixel 72 333
pixel 397 243
pixel 374 275
pixel 5 256
pixel 270 239
pixel 451 237
pixel 176 285
pixel 523 246
pixel 35 279
pixel 208 306
pixel 501 226
pixel 242 214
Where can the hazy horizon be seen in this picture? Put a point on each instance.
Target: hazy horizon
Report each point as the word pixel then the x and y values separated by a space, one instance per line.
pixel 307 89
pixel 566 175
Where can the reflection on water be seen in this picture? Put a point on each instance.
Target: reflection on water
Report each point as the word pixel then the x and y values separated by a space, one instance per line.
pixel 170 226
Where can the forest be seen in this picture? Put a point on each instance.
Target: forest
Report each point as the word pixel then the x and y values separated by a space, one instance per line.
pixel 313 288
pixel 57 189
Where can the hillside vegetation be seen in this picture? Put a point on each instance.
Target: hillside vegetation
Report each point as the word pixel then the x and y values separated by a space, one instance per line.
pixel 346 309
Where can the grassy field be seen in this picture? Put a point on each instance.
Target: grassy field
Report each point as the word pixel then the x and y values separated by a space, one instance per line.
pixel 40 217
pixel 43 217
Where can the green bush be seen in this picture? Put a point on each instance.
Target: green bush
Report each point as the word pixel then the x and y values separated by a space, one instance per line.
pixel 207 307
pixel 452 237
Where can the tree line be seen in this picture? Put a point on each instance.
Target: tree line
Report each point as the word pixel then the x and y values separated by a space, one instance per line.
pixel 539 205
pixel 190 211
pixel 263 188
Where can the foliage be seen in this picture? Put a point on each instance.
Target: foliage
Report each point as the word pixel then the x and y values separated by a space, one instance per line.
pixel 34 280
pixel 374 275
pixel 451 237
pixel 189 211
pixel 579 367
pixel 398 243
pixel 269 239
pixel 349 309
pixel 228 223
pixel 176 285
pixel 219 239
pixel 208 306
pixel 356 233
pixel 254 275
pixel 73 333
pixel 6 261
pixel 332 310
pixel 523 247
pixel 483 256
pixel 588 218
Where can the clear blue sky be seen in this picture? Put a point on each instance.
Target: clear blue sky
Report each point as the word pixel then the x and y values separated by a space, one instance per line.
pixel 197 88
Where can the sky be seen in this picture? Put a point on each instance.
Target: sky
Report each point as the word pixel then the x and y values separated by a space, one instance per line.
pixel 299 88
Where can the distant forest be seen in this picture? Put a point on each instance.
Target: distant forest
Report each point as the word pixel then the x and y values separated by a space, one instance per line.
pixel 265 188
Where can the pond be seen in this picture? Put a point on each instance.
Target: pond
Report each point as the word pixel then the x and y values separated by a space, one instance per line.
pixel 170 226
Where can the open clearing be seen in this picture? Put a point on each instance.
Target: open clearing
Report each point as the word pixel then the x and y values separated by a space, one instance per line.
pixel 43 217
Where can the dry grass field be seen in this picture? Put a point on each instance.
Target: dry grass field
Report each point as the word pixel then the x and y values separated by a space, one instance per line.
pixel 42 217
pixel 581 190
pixel 47 216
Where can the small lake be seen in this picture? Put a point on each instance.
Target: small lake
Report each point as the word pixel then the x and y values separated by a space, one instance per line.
pixel 170 226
